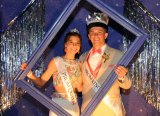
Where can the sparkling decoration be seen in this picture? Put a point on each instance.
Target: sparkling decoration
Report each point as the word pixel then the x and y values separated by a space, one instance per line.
pixel 97 17
pixel 23 35
pixel 74 30
pixel 145 68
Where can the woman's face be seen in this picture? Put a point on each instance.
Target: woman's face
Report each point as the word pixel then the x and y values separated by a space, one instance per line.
pixel 73 45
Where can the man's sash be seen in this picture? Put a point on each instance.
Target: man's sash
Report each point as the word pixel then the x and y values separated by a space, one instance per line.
pixel 95 86
pixel 91 79
pixel 60 64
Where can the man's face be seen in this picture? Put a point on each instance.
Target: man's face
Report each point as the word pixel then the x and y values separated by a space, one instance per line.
pixel 97 35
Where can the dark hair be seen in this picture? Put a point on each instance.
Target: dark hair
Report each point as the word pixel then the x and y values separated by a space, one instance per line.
pixel 69 34
pixel 97 24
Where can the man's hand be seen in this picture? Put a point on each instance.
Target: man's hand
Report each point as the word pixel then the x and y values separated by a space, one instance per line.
pixel 121 71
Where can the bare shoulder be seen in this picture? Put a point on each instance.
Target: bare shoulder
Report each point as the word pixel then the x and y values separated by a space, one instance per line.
pixel 52 64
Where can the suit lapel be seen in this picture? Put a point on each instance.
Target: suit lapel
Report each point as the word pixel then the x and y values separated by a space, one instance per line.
pixel 91 91
pixel 107 65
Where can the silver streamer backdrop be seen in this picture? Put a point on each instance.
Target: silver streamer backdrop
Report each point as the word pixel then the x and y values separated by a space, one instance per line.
pixel 145 68
pixel 23 35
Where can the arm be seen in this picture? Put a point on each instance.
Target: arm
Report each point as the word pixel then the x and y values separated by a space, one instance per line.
pixel 40 81
pixel 79 84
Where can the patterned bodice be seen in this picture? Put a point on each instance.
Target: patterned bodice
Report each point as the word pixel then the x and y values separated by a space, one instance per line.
pixel 73 69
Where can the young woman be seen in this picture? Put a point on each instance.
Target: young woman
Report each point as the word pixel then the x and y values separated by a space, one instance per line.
pixel 66 73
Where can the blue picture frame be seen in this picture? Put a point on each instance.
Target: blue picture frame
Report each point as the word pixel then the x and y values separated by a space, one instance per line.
pixel 141 36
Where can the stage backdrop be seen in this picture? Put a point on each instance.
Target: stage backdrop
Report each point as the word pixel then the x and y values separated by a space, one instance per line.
pixel 135 103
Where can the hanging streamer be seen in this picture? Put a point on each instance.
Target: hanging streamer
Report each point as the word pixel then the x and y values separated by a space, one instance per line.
pixel 144 69
pixel 23 35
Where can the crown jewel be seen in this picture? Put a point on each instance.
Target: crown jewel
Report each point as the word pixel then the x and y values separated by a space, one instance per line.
pixel 97 18
pixel 74 30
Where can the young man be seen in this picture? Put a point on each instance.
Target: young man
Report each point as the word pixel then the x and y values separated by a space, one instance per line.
pixel 95 62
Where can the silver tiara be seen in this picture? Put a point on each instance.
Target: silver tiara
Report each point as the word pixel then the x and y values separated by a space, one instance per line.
pixel 74 30
pixel 97 18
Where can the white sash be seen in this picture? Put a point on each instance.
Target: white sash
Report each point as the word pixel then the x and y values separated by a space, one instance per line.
pixel 65 79
pixel 95 86
pixel 91 79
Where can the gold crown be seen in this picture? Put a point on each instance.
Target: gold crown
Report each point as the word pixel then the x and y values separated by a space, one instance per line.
pixel 100 18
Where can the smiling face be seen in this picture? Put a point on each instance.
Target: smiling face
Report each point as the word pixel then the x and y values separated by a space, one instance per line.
pixel 73 45
pixel 97 35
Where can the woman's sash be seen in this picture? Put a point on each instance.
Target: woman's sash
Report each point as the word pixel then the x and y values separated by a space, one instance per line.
pixel 60 64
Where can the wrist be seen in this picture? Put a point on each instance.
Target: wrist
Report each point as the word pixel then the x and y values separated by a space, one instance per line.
pixel 122 79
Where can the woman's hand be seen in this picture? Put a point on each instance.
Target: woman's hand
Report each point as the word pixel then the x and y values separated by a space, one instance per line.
pixel 23 66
